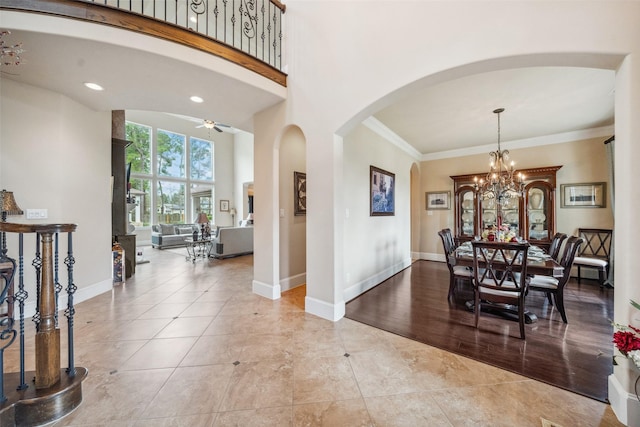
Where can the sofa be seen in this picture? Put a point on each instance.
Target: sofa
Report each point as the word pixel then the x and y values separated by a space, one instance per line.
pixel 171 235
pixel 232 241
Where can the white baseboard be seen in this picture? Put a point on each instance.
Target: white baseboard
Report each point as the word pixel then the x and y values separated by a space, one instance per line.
pixel 625 405
pixel 323 309
pixel 428 256
pixel 363 286
pixel 293 281
pixel 265 290
pixel 82 294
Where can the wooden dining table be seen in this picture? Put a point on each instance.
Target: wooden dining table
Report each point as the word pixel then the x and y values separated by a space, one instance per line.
pixel 545 267
pixel 535 265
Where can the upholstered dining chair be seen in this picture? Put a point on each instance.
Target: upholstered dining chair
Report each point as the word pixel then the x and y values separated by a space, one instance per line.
pixel 555 286
pixel 556 244
pixel 456 272
pixel 500 277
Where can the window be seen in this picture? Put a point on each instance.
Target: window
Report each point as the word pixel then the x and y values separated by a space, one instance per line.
pixel 138 153
pixel 170 206
pixel 201 159
pixel 141 191
pixel 171 151
pixel 171 181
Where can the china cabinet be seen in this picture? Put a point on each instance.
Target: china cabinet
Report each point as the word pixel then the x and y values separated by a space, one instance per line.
pixel 531 216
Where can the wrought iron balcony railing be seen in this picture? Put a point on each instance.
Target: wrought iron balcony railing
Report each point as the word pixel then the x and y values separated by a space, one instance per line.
pixel 241 31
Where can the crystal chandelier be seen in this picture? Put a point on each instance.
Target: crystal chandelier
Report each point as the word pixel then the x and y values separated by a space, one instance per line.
pixel 502 183
pixel 9 54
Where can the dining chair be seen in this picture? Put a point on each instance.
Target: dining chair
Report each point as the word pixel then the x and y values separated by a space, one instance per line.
pixel 556 244
pixel 500 278
pixel 456 272
pixel 595 253
pixel 555 286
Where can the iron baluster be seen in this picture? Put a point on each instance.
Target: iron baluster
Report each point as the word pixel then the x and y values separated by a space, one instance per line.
pixel 37 264
pixel 56 281
pixel 70 311
pixel 7 334
pixel 21 296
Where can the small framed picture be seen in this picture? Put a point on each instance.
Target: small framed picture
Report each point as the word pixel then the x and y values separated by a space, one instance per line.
pixel 585 195
pixel 382 186
pixel 438 200
pixel 224 206
pixel 299 193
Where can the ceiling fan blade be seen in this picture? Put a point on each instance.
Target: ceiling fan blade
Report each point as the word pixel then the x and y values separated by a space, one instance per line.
pixel 217 128
pixel 201 126
pixel 222 125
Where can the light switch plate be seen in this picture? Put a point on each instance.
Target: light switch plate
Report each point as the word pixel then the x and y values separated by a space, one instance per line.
pixel 37 214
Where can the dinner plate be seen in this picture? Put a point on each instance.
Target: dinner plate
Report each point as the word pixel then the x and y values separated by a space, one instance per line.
pixel 467 217
pixel 489 216
pixel 511 217
pixel 488 203
pixel 537 217
pixel 467 204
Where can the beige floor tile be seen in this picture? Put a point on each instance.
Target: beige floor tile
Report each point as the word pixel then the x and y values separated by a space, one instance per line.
pixel 165 310
pixel 185 327
pixel 215 349
pixel 121 396
pixel 406 410
pixel 191 390
pixel 160 353
pixel 257 347
pixel 204 420
pixel 205 308
pixel 266 417
pixel 259 385
pixel 344 413
pixel 323 379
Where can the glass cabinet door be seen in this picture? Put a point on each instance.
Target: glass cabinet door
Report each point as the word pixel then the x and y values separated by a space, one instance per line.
pixel 489 214
pixel 510 215
pixel 466 198
pixel 539 212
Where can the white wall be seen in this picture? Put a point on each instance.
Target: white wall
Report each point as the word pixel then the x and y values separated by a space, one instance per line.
pixel 375 247
pixel 293 234
pixel 55 156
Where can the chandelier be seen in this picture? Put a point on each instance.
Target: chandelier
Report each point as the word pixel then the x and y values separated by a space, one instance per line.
pixel 502 183
pixel 9 54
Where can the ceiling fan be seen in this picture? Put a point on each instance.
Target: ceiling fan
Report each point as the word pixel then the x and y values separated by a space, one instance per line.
pixel 210 124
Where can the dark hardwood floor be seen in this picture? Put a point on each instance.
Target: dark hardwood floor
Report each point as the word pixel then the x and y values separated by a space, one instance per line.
pixel 576 356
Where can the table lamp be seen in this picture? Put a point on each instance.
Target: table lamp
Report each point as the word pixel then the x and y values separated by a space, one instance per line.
pixel 9 207
pixel 202 219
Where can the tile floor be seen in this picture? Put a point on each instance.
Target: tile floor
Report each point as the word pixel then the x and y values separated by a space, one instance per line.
pixel 183 344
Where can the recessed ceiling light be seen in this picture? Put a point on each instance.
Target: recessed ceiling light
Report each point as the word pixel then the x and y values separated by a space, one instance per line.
pixel 196 99
pixel 94 86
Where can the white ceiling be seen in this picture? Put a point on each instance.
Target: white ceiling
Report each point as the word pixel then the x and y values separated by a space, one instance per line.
pixel 457 114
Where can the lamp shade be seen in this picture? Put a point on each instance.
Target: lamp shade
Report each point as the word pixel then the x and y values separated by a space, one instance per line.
pixel 202 218
pixel 9 205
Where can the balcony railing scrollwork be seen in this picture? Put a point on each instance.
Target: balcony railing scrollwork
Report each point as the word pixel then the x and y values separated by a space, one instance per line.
pixel 241 31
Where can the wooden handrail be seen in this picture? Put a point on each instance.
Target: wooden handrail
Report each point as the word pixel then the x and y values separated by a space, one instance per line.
pixel 12 227
pixel 107 15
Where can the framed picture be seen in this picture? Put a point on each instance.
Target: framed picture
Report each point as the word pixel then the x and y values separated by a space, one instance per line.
pixel 438 200
pixel 382 193
pixel 299 193
pixel 224 206
pixel 586 195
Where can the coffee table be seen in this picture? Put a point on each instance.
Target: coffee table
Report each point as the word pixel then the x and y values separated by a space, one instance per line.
pixel 200 248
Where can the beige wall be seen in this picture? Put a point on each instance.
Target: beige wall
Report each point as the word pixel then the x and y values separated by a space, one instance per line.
pixel 582 161
pixel 293 229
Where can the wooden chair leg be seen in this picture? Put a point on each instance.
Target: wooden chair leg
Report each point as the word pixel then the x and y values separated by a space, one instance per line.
pixel 452 285
pixel 578 274
pixel 549 298
pixel 560 306
pixel 477 307
pixel 521 319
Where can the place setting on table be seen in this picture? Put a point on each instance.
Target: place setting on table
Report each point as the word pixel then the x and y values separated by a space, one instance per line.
pixel 494 250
